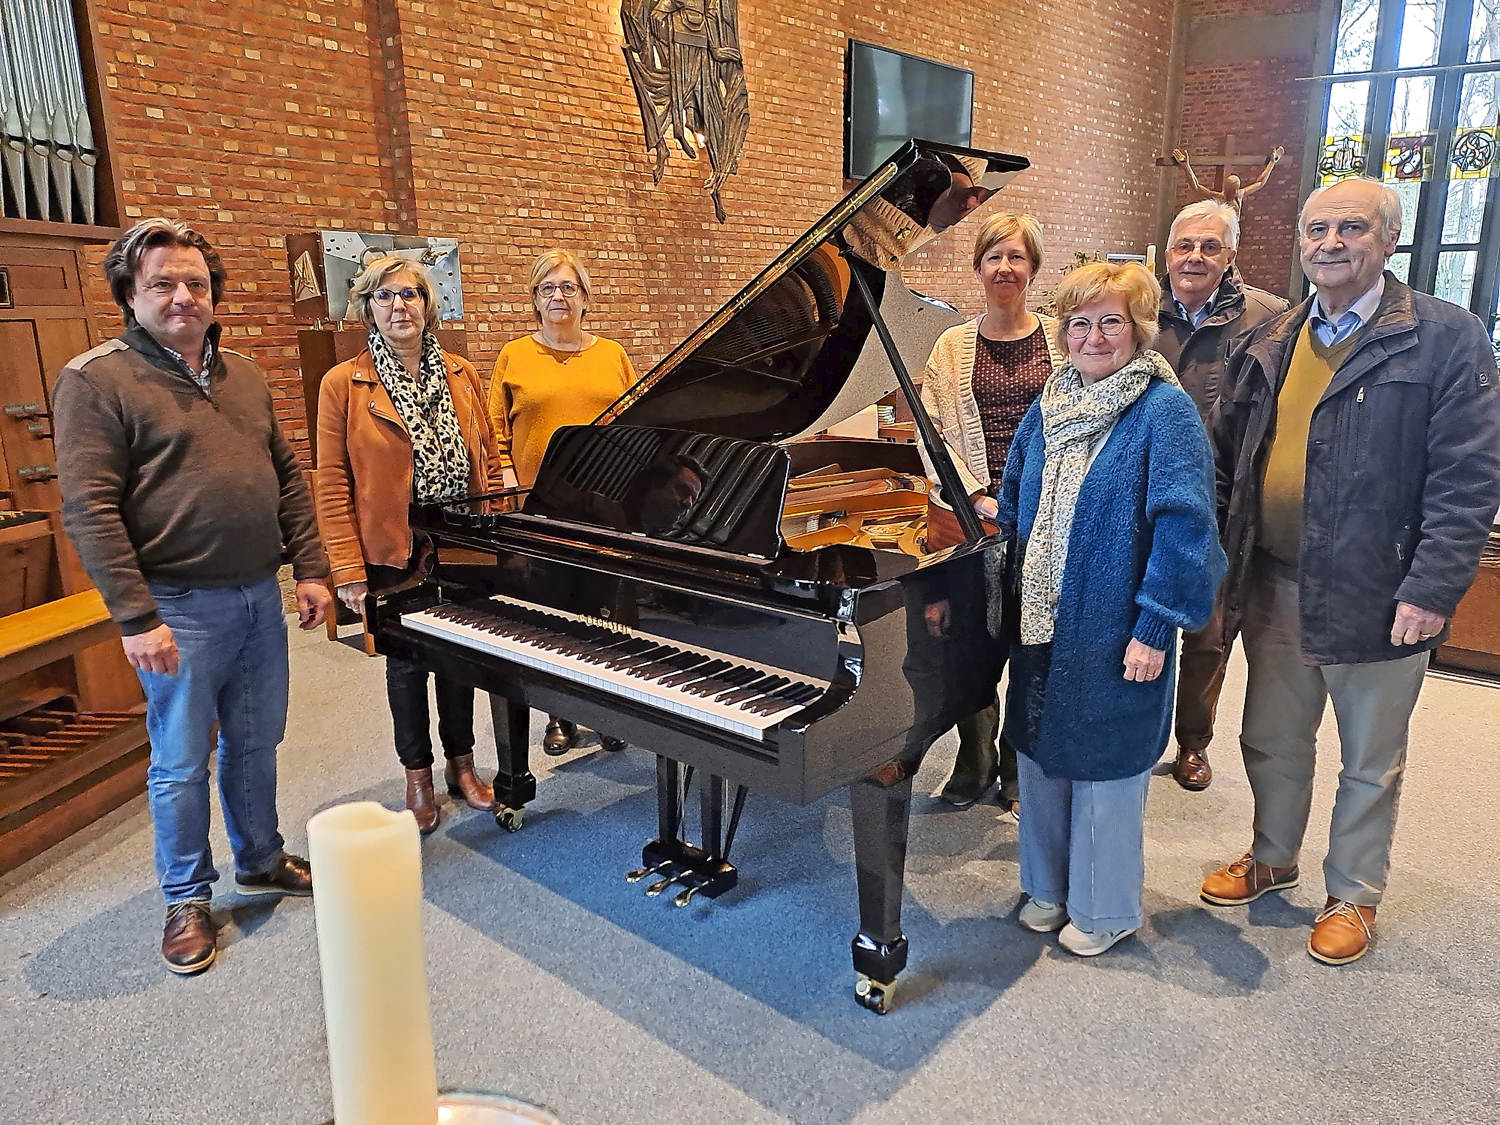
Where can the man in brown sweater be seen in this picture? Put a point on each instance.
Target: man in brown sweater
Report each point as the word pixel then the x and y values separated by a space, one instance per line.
pixel 183 499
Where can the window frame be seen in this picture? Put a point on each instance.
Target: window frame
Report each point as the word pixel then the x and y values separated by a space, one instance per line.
pixel 1421 235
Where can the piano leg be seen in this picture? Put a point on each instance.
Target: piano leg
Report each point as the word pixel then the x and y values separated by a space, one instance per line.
pixel 881 813
pixel 514 783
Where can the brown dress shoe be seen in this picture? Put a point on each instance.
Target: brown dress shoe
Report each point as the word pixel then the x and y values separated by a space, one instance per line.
pixel 188 941
pixel 464 782
pixel 560 737
pixel 289 875
pixel 1192 770
pixel 1342 933
pixel 421 800
pixel 1244 881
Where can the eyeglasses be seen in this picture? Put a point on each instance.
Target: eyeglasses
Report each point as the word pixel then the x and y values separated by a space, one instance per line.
pixel 386 297
pixel 1079 327
pixel 548 288
pixel 1208 247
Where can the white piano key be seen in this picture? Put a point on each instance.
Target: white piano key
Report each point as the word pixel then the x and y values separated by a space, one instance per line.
pixel 620 682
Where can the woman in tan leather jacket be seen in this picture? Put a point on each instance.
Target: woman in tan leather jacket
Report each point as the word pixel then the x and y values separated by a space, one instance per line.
pixel 402 421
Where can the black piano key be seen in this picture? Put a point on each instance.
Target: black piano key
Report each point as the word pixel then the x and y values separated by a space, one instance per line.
pixel 712 668
pixel 713 685
pixel 752 689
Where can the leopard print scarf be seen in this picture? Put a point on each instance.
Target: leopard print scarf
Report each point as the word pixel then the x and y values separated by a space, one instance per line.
pixel 1074 417
pixel 440 460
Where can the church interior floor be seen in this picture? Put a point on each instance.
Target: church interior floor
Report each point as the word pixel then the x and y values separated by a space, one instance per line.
pixel 554 980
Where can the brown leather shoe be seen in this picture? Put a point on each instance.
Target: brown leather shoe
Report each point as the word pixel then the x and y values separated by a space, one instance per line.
pixel 289 875
pixel 1192 770
pixel 421 800
pixel 1244 881
pixel 188 940
pixel 561 736
pixel 1342 933
pixel 464 782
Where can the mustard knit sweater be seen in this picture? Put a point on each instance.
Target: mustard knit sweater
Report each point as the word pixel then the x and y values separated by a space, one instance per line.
pixel 534 390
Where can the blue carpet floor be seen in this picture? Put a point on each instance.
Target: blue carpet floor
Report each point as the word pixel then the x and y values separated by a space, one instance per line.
pixel 556 981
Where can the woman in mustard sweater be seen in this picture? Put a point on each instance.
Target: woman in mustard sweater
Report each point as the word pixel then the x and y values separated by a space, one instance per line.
pixel 559 375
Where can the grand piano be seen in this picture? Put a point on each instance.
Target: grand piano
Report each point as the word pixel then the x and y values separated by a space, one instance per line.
pixel 700 575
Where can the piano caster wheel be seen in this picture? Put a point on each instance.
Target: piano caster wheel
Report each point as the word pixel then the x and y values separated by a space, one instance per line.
pixel 873 994
pixel 655 889
pixel 684 897
pixel 509 819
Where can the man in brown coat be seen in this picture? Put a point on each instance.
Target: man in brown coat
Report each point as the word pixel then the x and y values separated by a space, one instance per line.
pixel 183 500
pixel 1205 308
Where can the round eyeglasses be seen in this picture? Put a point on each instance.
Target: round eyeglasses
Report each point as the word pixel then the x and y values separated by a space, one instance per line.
pixel 386 297
pixel 1208 247
pixel 1079 327
pixel 566 288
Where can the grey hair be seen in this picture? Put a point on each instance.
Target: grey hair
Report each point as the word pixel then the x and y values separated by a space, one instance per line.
pixel 1209 209
pixel 1389 207
pixel 123 259
pixel 373 276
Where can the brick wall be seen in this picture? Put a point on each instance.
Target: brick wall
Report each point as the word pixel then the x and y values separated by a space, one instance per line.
pixel 1258 102
pixel 513 127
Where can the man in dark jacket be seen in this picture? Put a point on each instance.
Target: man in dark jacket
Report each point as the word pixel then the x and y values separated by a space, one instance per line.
pixel 182 498
pixel 1357 440
pixel 1205 308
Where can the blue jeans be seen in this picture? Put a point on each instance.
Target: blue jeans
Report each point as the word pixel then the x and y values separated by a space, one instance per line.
pixel 233 668
pixel 1083 844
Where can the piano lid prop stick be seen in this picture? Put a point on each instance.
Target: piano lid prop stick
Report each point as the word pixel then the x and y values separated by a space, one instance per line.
pixel 953 489
pixel 367 899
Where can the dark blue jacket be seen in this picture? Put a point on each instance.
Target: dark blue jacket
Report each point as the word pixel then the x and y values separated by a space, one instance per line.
pixel 1143 561
pixel 1403 471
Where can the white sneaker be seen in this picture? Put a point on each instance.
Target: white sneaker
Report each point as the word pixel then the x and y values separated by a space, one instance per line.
pixel 1042 916
pixel 1090 944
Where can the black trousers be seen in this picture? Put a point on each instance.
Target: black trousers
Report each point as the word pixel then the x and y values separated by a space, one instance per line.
pixel 406 691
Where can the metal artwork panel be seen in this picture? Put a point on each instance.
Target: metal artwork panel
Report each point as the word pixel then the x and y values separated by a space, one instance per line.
pixel 322 265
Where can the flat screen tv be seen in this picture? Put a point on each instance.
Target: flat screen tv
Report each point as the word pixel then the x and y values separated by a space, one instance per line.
pixel 891 97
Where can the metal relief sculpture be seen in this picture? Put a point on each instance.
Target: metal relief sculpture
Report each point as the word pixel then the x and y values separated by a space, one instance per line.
pixel 689 79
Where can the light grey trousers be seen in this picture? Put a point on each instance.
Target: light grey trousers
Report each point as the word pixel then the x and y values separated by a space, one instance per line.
pixel 1284 702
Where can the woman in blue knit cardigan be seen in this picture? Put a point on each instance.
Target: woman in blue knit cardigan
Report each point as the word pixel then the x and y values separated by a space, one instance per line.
pixel 1109 485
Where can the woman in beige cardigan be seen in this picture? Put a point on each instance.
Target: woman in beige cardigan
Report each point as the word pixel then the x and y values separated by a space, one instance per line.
pixel 980 380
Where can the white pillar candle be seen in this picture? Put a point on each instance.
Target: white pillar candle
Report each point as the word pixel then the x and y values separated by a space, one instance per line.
pixel 367 898
pixel 1151 258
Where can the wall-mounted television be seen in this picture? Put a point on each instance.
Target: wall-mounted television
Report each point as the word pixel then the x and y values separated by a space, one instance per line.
pixel 891 97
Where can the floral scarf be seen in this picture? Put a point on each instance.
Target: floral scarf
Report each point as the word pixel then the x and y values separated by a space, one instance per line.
pixel 1074 417
pixel 440 460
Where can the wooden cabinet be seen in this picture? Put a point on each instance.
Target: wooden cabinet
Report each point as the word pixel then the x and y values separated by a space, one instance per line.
pixel 72 728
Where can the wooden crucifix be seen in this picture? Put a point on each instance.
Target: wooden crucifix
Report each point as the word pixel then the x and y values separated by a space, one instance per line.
pixel 1232 191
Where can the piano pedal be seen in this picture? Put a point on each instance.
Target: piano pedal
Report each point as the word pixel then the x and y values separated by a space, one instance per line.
pixel 655 889
pixel 641 872
pixel 684 897
pixel 874 994
pixel 509 819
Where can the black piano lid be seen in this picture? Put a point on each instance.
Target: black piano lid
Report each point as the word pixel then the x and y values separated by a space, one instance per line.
pixel 794 352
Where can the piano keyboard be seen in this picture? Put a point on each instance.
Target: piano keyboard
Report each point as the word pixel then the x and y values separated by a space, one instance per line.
pixel 730 694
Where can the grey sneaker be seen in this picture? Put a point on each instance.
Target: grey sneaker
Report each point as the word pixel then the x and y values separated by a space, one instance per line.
pixel 1087 943
pixel 1042 916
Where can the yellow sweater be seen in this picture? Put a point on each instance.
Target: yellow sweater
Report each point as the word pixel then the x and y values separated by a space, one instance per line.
pixel 535 390
pixel 1309 375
